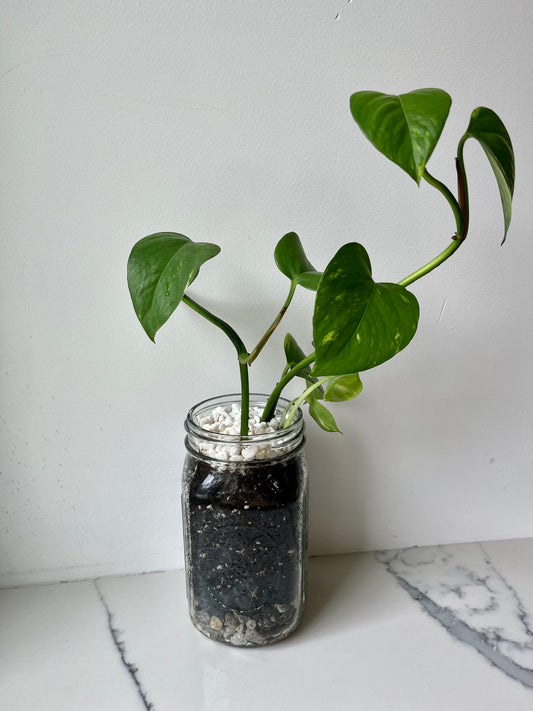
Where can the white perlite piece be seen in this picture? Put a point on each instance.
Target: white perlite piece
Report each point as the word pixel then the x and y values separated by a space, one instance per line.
pixel 227 421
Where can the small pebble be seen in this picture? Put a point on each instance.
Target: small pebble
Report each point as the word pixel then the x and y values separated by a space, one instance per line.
pixel 215 623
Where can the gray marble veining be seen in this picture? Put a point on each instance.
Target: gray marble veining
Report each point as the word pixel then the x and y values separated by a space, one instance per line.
pixel 127 642
pixel 121 649
pixel 462 588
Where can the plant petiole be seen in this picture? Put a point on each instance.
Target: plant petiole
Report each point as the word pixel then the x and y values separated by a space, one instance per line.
pixel 250 357
pixel 241 350
pixel 295 404
pixel 272 401
pixel 460 211
pixel 433 264
pixel 444 190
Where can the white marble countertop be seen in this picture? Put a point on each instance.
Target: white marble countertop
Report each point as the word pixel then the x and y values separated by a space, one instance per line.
pixel 441 628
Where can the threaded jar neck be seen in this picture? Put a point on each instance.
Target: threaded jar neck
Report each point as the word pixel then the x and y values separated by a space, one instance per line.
pixel 208 435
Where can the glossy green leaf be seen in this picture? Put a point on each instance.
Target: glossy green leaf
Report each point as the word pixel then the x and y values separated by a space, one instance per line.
pixel 318 412
pixel 359 323
pixel 343 387
pixel 487 128
pixel 322 416
pixel 160 268
pixel 292 261
pixel 405 128
pixel 309 280
pixel 293 353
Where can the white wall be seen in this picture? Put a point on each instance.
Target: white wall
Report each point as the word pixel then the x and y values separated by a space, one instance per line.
pixel 229 121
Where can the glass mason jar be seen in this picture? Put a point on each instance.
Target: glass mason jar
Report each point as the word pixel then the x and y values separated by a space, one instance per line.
pixel 245 528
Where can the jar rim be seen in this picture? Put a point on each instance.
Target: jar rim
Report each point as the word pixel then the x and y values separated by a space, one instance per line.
pixel 293 431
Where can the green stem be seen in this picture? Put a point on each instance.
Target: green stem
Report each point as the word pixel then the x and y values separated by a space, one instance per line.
pixel 250 357
pixel 460 210
pixel 433 264
pixel 298 401
pixel 245 398
pixel 241 351
pixel 456 209
pixel 272 401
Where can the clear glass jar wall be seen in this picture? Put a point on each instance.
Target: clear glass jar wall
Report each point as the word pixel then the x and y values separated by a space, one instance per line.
pixel 245 530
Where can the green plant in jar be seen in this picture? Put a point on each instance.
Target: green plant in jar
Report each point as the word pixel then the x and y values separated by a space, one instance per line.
pixel 357 323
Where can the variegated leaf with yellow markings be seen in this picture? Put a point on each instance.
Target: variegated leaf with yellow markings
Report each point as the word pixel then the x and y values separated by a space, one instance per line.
pixel 359 323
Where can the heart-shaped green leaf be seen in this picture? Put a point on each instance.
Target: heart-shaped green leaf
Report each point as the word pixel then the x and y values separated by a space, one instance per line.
pixel 343 387
pixel 160 268
pixel 487 128
pixel 291 261
pixel 358 323
pixel 322 416
pixel 405 128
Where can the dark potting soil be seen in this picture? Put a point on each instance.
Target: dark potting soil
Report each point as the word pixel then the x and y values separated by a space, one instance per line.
pixel 246 554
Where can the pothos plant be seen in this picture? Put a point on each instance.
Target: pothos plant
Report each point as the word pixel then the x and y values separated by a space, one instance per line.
pixel 358 323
